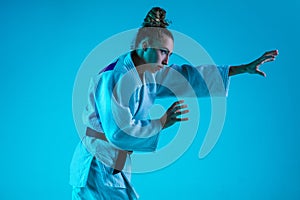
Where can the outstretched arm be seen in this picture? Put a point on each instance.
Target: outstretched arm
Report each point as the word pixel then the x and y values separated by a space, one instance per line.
pixel 253 67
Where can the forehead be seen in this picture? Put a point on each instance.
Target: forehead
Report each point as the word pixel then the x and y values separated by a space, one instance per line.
pixel 164 42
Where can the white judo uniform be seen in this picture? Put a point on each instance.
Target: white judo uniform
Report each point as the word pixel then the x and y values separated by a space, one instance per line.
pixel 118 106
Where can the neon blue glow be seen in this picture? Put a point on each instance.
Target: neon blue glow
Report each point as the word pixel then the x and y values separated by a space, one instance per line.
pixel 44 43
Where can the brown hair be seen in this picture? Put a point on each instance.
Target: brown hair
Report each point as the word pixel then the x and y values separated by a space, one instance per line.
pixel 153 27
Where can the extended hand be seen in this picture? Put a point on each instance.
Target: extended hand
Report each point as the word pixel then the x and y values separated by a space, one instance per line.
pixel 175 110
pixel 253 67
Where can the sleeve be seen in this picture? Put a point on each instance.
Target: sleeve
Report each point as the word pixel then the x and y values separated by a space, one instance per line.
pixel 189 81
pixel 120 127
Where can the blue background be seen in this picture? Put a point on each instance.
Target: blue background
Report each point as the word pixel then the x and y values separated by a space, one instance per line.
pixel 43 44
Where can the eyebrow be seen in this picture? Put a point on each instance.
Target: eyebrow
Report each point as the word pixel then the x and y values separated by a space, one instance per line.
pixel 166 49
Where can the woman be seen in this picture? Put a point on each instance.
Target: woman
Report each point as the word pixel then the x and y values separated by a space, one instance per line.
pixel 117 115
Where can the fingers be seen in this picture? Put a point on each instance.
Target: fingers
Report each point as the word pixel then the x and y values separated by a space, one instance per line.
pixel 261 73
pixel 172 115
pixel 177 113
pixel 177 103
pixel 177 110
pixel 177 107
pixel 180 119
pixel 273 52
pixel 269 56
pixel 253 67
pixel 265 59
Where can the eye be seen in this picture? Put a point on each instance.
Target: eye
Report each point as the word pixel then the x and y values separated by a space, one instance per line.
pixel 164 51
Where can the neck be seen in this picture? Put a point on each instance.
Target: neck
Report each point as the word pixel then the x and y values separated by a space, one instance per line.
pixel 138 62
pixel 136 58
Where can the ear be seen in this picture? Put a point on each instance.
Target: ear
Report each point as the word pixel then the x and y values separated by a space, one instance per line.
pixel 145 44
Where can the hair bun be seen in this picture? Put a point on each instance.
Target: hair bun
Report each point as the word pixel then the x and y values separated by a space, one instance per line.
pixel 156 18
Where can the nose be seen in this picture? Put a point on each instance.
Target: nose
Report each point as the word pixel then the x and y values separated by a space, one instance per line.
pixel 166 60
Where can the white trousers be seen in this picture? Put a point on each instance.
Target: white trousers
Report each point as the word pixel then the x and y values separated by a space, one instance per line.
pixel 103 185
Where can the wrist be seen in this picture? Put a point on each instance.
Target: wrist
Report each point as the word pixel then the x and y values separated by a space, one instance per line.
pixel 244 68
pixel 234 70
pixel 163 120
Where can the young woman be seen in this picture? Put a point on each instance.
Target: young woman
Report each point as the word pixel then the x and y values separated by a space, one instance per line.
pixel 117 116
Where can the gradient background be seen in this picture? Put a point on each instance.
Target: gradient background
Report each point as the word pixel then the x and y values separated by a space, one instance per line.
pixel 43 44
